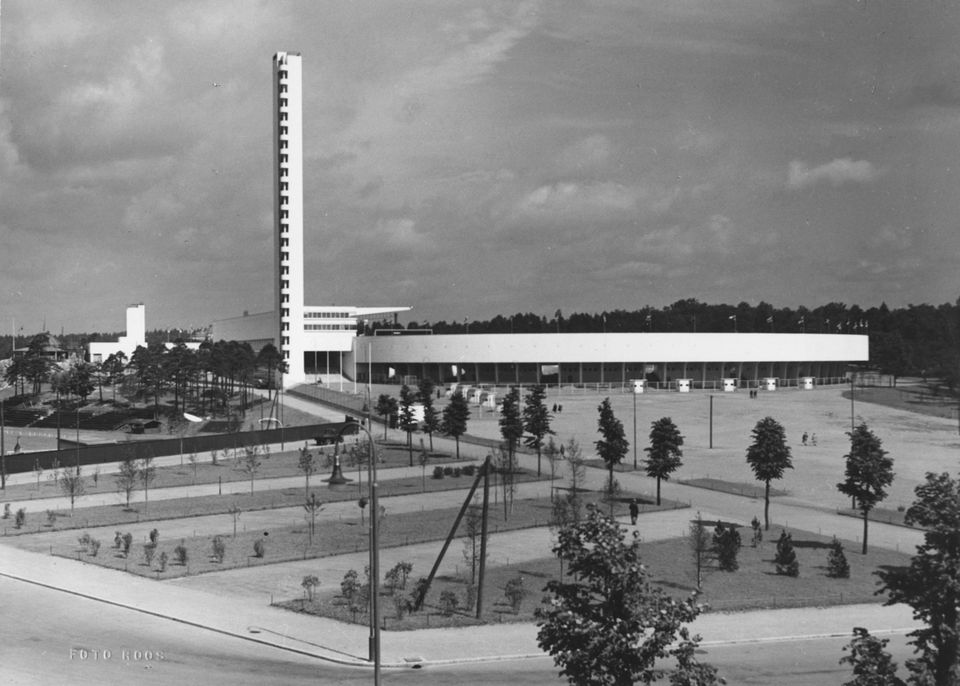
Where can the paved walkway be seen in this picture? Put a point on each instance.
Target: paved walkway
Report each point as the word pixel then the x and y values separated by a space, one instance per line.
pixel 237 602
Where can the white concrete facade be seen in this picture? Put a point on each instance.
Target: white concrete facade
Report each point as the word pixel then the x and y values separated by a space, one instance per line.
pixel 611 357
pixel 136 336
pixel 288 211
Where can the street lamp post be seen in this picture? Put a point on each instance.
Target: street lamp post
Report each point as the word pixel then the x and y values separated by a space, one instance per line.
pixel 374 527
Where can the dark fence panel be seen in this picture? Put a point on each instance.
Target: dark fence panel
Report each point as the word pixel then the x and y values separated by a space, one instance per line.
pixel 71 454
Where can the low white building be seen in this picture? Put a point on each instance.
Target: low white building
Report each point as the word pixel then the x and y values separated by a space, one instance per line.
pixel 136 336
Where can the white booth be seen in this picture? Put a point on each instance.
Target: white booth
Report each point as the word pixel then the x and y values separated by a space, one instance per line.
pixel 729 385
pixel 806 383
pixel 684 385
pixel 769 383
pixel 638 385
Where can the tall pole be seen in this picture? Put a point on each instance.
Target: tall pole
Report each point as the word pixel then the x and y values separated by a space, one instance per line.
pixel 374 529
pixel 711 421
pixel 634 425
pixel 851 402
pixel 3 451
pixel 483 533
pixel 78 438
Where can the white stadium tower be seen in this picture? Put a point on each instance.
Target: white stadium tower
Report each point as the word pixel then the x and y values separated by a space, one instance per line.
pixel 325 340
pixel 314 336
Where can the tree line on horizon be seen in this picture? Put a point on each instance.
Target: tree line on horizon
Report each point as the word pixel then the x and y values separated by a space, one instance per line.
pixel 921 340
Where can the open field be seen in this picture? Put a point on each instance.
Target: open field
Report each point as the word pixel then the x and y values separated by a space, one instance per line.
pixel 918 443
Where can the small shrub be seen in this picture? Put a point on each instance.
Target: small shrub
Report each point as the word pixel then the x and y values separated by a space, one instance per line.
pixel 457 472
pixel 470 598
pixel 309 583
pixel 181 554
pixel 448 603
pixel 20 518
pixel 154 536
pixel 94 546
pixel 757 537
pixel 127 542
pixel 837 565
pixel 448 471
pixel 350 585
pixel 6 510
pixel 786 557
pixel 514 592
pixel 162 560
pixel 148 552
pixel 402 604
pixel 84 541
pixel 438 472
pixel 117 540
pixel 259 548
pixel 468 470
pixel 219 548
pixel 51 517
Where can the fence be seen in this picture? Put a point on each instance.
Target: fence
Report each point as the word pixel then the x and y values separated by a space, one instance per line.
pixel 77 454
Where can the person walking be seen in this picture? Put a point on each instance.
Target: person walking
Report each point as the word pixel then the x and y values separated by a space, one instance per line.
pixel 634 511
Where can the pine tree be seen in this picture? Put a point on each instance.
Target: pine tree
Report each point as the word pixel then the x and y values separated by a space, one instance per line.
pixel 726 545
pixel 837 565
pixel 786 557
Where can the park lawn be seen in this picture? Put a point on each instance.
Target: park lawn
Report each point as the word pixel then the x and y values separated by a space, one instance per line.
pixel 285 544
pixel 747 490
pixel 921 399
pixel 263 498
pixel 670 564
pixel 229 470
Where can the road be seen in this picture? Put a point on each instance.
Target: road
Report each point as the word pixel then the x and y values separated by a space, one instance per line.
pixel 49 637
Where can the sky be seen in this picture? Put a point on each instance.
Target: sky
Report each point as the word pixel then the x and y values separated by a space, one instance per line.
pixel 471 159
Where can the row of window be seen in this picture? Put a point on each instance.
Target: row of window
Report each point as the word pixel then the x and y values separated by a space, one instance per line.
pixel 327 315
pixel 329 327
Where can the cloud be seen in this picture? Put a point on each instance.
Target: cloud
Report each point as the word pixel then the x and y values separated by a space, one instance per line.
pixel 586 155
pixel 836 173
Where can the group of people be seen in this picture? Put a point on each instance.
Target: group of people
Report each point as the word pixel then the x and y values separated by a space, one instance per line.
pixel 808 439
pixel 557 408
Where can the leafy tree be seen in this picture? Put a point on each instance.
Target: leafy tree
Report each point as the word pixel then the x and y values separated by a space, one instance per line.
pixel 768 457
pixel 608 625
pixel 614 445
pixel 664 452
pixel 250 463
pixel 455 416
pixel 837 565
pixel 312 506
pixel 536 420
pixel 511 423
pixel 868 473
pixel 71 485
pixel 386 407
pixel 931 583
pixel 786 557
pixel 127 477
pixel 308 465
pixel 146 473
pixel 872 664
pixel 407 421
pixel 431 419
pixel 700 546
